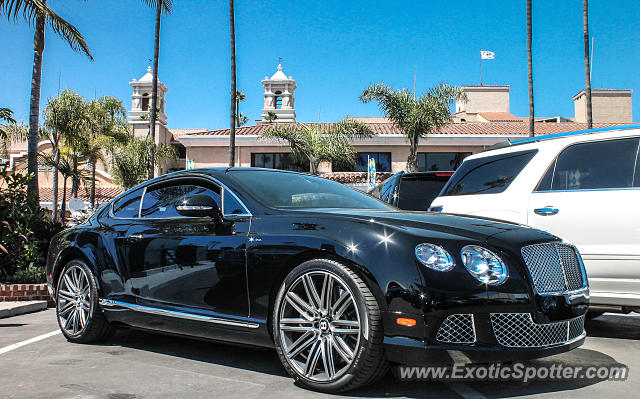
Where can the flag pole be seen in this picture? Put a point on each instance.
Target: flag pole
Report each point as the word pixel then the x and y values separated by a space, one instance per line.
pixel 480 67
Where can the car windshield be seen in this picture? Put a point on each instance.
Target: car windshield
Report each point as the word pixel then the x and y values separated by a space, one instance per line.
pixel 298 191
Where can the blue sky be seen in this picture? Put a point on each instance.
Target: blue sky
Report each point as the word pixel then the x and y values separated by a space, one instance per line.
pixel 333 49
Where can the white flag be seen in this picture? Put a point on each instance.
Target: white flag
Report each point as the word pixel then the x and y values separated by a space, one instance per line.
pixel 487 55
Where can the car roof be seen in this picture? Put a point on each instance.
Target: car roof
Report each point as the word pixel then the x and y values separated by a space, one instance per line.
pixel 558 139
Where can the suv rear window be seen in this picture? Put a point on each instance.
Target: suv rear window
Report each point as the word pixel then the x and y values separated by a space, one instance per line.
pixel 488 175
pixel 417 192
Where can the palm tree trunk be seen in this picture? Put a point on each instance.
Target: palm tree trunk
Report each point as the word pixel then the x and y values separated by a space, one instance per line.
pixel 412 160
pixel 530 70
pixel 92 191
pixel 75 182
pixel 34 108
pixel 587 67
pixel 56 159
pixel 237 112
pixel 63 209
pixel 232 133
pixel 154 93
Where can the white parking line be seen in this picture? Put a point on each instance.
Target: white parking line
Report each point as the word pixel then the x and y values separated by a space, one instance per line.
pixel 29 341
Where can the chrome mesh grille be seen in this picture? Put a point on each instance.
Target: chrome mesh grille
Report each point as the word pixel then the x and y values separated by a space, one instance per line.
pixel 518 330
pixel 553 267
pixel 457 329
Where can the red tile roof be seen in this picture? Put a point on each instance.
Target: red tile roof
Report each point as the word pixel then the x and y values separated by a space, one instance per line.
pixel 354 177
pixel 513 128
pixel 103 193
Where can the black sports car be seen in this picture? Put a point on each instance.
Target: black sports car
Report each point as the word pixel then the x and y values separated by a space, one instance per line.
pixel 339 282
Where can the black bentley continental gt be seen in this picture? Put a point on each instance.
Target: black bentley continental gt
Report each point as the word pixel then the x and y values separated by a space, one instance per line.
pixel 339 282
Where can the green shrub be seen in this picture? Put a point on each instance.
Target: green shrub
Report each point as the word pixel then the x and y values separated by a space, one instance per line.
pixel 25 231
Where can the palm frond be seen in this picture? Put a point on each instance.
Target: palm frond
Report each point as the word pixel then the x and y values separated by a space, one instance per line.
pixel 167 5
pixel 30 10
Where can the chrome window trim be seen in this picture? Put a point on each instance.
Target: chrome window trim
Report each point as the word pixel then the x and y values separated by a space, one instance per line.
pixel 113 215
pixel 246 211
pixel 110 303
pixel 223 188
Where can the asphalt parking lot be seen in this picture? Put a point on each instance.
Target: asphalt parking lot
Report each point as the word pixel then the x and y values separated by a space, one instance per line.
pixel 135 364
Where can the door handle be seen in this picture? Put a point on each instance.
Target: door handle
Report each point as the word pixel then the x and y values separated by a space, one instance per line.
pixel 546 211
pixel 134 237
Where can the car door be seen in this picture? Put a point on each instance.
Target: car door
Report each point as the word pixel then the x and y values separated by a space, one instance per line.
pixel 191 264
pixel 589 196
pixel 123 215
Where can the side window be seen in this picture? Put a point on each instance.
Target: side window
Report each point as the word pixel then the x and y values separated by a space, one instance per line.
pixel 545 183
pixel 231 206
pixel 488 175
pixel 161 202
pixel 597 165
pixel 128 206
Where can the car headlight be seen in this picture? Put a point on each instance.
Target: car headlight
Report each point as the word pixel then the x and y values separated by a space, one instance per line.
pixel 484 265
pixel 434 257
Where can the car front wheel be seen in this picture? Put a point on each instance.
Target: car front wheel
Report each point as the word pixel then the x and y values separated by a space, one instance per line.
pixel 327 327
pixel 79 315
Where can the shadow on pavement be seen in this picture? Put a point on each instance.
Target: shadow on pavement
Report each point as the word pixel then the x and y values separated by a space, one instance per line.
pixel 576 358
pixel 266 361
pixel 611 325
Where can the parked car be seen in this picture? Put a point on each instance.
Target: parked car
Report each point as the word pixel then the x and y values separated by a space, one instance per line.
pixel 582 186
pixel 338 282
pixel 411 191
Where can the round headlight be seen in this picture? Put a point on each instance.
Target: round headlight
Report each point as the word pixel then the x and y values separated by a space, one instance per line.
pixel 434 257
pixel 484 265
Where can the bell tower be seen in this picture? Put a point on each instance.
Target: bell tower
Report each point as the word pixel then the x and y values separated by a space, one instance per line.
pixel 139 114
pixel 278 96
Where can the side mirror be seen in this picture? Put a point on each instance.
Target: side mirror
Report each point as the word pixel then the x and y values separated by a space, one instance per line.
pixel 199 205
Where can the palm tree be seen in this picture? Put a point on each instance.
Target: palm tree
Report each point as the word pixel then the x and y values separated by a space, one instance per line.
pixel 416 117
pixel 240 118
pixel 530 70
pixel 161 6
pixel 271 116
pixel 232 132
pixel 107 126
pixel 6 116
pixel 64 121
pixel 129 161
pixel 317 143
pixel 587 67
pixel 66 164
pixel 36 12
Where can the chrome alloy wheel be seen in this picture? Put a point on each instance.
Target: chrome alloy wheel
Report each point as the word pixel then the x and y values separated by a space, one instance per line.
pixel 74 300
pixel 319 326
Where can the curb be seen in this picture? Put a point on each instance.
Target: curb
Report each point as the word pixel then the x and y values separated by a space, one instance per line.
pixel 8 309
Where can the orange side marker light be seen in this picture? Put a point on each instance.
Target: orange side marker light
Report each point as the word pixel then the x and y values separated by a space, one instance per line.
pixel 406 322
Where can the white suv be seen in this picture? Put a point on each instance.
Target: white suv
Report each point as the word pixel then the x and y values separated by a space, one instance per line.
pixel 581 186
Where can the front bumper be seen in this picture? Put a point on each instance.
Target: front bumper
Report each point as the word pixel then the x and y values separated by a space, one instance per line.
pixel 487 337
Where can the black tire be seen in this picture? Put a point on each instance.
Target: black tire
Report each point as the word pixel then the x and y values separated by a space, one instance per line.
pixel 95 327
pixel 368 362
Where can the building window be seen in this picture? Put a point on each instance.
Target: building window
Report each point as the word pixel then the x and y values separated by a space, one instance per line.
pixel 382 159
pixel 278 160
pixel 431 161
pixel 145 102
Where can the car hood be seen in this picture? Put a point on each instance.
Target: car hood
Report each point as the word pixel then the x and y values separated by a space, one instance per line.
pixel 418 223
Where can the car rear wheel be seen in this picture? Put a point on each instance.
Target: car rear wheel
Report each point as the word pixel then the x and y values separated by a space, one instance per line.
pixel 79 315
pixel 327 327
